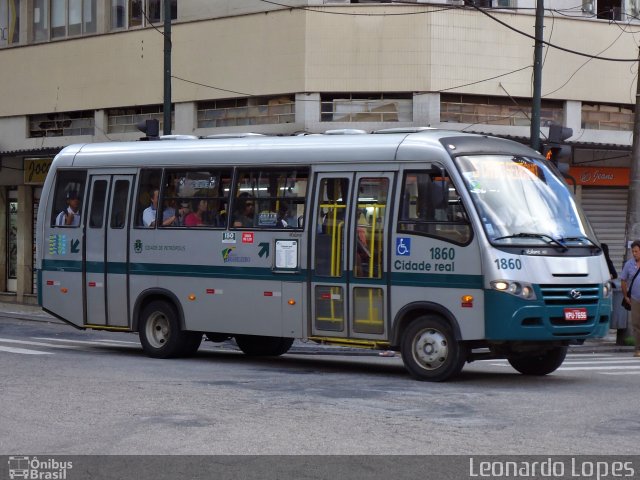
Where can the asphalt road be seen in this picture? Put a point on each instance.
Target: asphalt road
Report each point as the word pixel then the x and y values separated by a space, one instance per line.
pixel 70 392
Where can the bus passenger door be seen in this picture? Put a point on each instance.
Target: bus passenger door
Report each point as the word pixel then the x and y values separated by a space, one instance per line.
pixel 368 238
pixel 330 256
pixel 106 250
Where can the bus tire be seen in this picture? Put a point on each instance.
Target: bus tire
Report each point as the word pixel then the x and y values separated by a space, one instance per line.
pixel 541 363
pixel 430 351
pixel 258 346
pixel 160 333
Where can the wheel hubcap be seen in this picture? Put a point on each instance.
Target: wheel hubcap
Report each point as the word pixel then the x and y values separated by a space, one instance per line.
pixel 430 349
pixel 158 330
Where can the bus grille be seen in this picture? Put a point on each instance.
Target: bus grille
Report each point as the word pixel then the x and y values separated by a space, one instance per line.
pixel 570 295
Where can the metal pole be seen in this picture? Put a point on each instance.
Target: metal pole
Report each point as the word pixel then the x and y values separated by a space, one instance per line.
pixel 632 231
pixel 633 206
pixel 166 110
pixel 537 77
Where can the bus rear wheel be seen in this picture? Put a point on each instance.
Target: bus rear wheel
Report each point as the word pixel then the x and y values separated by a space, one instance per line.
pixel 540 363
pixel 430 350
pixel 160 333
pixel 257 346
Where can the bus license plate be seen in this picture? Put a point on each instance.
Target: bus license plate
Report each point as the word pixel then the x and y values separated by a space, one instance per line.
pixel 575 314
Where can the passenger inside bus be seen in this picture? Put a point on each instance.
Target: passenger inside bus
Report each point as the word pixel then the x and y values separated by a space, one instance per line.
pixel 245 208
pixel 70 216
pixel 149 214
pixel 197 218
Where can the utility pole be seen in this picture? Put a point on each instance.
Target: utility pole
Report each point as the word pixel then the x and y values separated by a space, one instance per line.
pixel 536 100
pixel 633 205
pixel 166 109
pixel 632 229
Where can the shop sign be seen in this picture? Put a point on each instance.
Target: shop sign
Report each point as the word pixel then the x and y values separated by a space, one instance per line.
pixel 35 170
pixel 601 176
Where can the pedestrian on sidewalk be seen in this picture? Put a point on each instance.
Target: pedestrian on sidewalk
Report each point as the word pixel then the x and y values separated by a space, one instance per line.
pixel 631 290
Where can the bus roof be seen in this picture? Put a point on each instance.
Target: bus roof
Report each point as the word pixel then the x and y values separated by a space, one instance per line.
pixel 385 146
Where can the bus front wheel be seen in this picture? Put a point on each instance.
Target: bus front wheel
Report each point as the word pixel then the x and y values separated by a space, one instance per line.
pixel 160 333
pixel 541 363
pixel 430 350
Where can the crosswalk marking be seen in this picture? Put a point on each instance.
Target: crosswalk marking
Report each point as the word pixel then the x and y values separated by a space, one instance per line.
pixel 23 351
pixel 37 344
pixel 63 344
pixel 102 342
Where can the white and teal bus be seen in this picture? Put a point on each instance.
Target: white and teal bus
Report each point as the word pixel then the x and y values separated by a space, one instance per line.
pixel 444 246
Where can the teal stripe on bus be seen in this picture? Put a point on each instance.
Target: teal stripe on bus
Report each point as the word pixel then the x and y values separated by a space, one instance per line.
pixel 256 273
pixel 444 280
pixel 172 270
pixel 62 265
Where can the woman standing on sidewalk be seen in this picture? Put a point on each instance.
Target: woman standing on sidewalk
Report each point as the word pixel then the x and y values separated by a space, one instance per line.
pixel 629 279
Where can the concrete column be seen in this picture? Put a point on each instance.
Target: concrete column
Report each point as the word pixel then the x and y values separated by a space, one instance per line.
pixel 25 243
pixel 308 111
pixel 426 109
pixel 185 118
pixel 573 115
pixel 100 121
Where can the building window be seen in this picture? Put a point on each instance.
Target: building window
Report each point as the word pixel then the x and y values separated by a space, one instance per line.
pixel 9 22
pixel 139 13
pixel 478 109
pixel 607 117
pixel 380 107
pixel 61 124
pixel 53 19
pixel 246 111
pixel 124 120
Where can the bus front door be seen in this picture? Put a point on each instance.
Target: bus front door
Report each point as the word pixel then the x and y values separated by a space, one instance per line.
pixel 368 239
pixel 329 287
pixel 350 278
pixel 105 265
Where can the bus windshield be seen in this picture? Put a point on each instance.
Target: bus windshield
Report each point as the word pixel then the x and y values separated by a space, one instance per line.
pixel 522 201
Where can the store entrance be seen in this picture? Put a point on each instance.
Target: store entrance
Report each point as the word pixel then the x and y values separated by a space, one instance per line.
pixel 12 241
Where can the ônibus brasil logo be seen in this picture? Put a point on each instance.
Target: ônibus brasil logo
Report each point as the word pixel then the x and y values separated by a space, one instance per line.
pixel 37 469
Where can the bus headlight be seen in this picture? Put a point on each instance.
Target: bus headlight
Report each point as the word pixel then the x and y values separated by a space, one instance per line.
pixel 607 289
pixel 519 289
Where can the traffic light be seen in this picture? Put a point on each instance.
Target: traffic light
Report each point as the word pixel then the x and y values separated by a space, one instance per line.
pixel 151 128
pixel 555 147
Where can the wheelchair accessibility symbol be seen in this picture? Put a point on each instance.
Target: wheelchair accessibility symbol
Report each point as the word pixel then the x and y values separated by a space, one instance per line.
pixel 403 246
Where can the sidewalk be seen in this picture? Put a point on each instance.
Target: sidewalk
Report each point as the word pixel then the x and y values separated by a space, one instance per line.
pixel 35 313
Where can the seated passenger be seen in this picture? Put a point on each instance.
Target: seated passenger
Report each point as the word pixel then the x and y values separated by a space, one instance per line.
pixel 245 209
pixel 198 216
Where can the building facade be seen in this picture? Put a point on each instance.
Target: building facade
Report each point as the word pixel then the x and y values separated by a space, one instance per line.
pixel 80 71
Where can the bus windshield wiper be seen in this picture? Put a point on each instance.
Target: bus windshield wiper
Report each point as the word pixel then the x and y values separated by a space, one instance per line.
pixel 581 239
pixel 547 238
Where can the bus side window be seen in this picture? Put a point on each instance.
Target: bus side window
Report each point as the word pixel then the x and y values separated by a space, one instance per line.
pixel 431 206
pixel 148 197
pixel 270 198
pixel 68 196
pixel 96 213
pixel 195 198
pixel 119 204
